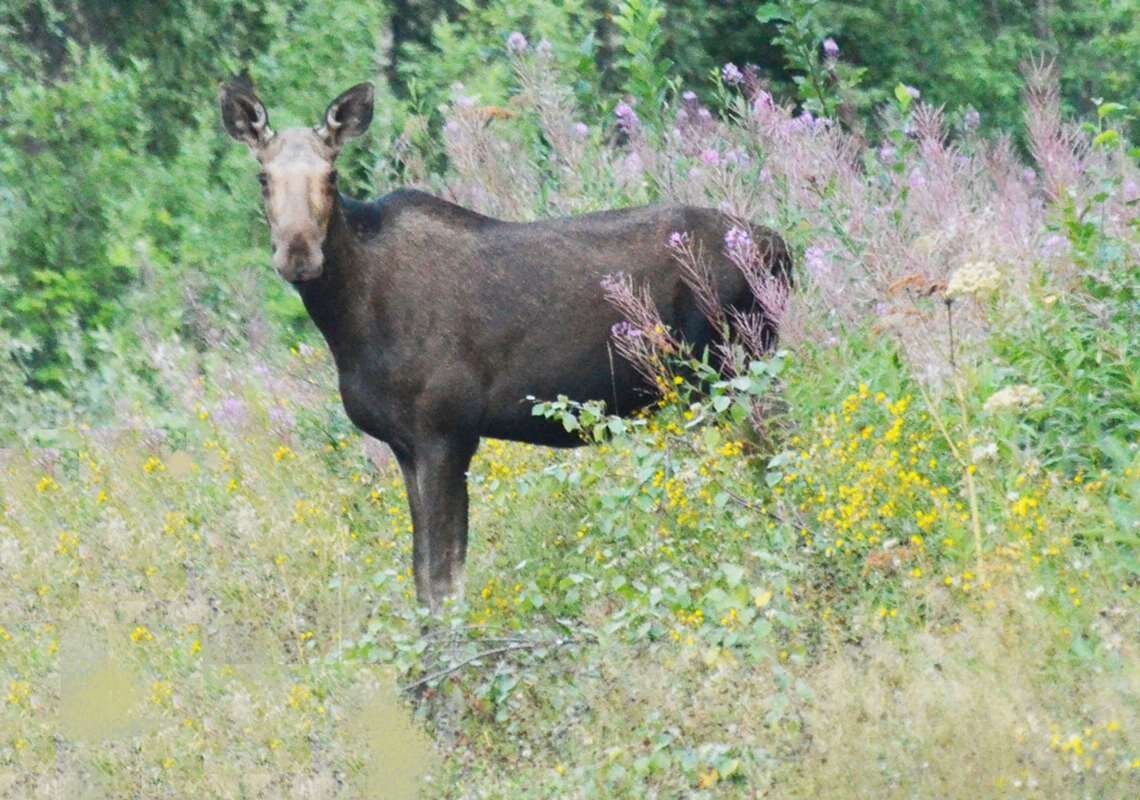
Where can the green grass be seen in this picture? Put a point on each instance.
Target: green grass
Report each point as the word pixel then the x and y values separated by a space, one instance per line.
pixel 227 611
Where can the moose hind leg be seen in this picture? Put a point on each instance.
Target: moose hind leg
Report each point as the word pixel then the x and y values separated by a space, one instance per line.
pixel 441 529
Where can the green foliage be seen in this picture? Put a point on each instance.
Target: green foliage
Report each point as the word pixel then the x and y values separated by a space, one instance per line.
pixel 1079 343
pixel 70 154
pixel 646 69
pixel 471 49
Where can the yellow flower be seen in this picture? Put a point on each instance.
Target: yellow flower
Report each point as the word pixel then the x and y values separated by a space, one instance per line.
pixel 141 634
pixel 709 779
pixel 19 693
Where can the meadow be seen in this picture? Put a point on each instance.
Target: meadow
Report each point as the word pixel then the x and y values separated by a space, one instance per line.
pixel 896 557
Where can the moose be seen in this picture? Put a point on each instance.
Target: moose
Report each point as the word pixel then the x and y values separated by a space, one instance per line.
pixel 443 321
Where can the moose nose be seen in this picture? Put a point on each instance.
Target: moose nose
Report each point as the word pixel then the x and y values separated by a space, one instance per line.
pixel 301 261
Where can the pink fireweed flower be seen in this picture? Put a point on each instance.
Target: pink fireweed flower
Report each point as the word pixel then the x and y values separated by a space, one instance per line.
pixel 830 48
pixel 581 130
pixel 678 240
pixel 738 243
pixel 627 119
pixel 731 74
pixel 710 157
pixel 625 330
pixel 516 43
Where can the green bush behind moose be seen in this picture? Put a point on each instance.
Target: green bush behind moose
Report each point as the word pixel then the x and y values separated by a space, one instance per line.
pixel 114 173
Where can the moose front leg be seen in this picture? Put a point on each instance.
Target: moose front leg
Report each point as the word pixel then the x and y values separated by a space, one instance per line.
pixel 436 478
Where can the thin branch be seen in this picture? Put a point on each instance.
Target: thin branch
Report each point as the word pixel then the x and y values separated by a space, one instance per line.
pixel 443 673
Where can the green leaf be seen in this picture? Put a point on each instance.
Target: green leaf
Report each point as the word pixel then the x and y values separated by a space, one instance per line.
pixel 1104 109
pixel 771 12
pixel 733 574
pixel 903 96
pixel 1106 139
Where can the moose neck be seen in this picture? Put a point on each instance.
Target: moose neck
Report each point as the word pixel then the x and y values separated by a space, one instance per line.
pixel 338 300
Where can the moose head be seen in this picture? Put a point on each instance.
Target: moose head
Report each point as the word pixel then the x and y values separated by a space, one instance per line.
pixel 298 177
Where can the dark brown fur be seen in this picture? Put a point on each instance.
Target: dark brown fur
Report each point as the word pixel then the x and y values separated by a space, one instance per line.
pixel 442 321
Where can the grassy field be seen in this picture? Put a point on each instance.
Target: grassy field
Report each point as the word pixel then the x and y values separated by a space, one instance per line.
pixel 896 559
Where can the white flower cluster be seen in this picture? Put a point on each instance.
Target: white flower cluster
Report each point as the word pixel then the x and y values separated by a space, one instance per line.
pixel 1014 398
pixel 974 279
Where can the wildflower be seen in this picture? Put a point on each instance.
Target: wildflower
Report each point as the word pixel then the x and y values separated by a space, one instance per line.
pixel 18 693
pixel 141 634
pixel 913 92
pixel 731 74
pixel 544 48
pixel 830 48
pixel 689 96
pixel 1014 398
pixel 581 130
pixel 625 330
pixel 976 278
pixel 710 157
pixel 516 43
pixel 887 154
pixel 627 120
pixel 971 119
pixel 678 239
pixel 737 242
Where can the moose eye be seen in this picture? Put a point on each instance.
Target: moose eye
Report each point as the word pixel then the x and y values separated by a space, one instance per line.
pixel 332 176
pixel 263 179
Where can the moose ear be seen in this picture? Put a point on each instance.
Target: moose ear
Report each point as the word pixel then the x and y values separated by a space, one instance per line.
pixel 348 116
pixel 243 116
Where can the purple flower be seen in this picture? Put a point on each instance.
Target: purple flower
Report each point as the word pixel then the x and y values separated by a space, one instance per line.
pixel 887 154
pixel 971 119
pixel 1055 246
pixel 281 420
pixel 1028 175
pixel 581 130
pixel 731 74
pixel 516 43
pixel 627 118
pixel 231 412
pixel 544 48
pixel 830 48
pixel 710 157
pixel 913 92
pixel 625 330
pixel 738 242
pixel 762 101
pixel 1131 190
pixel 689 96
pixel 704 114
pixel 916 180
pixel 815 259
pixel 612 282
pixel 736 156
pixel 678 239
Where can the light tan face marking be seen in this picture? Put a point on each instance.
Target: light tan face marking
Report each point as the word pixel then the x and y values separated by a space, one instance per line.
pixel 299 187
